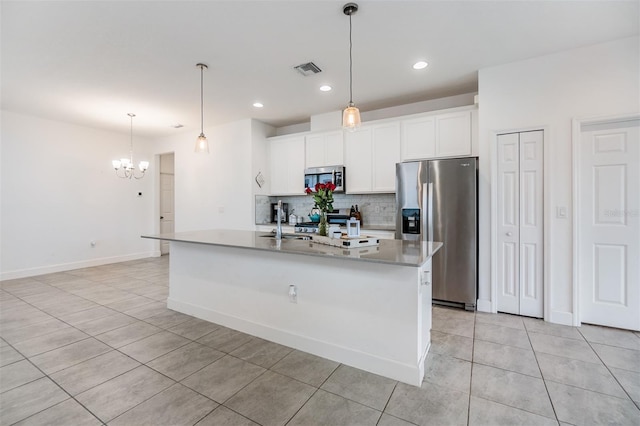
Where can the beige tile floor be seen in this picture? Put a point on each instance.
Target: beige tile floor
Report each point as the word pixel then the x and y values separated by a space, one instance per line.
pixel 98 346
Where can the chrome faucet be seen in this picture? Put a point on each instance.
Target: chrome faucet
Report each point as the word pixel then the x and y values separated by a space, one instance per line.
pixel 279 221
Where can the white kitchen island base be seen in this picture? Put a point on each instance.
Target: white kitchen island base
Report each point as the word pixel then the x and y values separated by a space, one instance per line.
pixel 371 315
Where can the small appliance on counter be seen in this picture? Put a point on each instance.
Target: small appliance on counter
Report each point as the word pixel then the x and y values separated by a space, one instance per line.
pixel 274 213
pixel 339 216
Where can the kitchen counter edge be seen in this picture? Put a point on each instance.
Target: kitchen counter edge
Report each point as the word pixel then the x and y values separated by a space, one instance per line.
pixel 393 252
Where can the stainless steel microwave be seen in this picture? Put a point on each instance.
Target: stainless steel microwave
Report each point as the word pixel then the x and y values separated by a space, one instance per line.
pixel 326 174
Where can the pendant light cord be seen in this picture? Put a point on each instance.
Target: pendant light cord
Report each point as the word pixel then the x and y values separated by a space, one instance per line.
pixel 350 64
pixel 131 139
pixel 201 99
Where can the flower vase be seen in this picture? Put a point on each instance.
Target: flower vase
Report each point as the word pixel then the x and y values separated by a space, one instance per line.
pixel 322 226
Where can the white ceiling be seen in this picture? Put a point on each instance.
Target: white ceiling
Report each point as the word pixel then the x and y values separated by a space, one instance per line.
pixel 91 63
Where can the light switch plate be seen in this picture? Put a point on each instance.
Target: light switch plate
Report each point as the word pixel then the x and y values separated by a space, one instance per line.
pixel 561 212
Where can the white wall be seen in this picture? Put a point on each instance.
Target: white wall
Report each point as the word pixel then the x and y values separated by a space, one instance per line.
pixel 260 161
pixel 59 193
pixel 548 92
pixel 216 190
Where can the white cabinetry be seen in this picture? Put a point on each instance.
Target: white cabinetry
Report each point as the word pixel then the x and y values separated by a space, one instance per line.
pixel 418 138
pixel 371 154
pixel 437 136
pixel 287 165
pixel 324 149
pixel 453 134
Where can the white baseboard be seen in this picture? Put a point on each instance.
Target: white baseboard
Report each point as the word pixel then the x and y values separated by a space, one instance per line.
pixel 484 305
pixel 561 317
pixel 411 374
pixel 49 269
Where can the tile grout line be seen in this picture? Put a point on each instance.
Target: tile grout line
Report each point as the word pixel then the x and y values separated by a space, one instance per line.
pixel 119 375
pixel 544 381
pixel 637 404
pixel 45 375
pixel 89 336
pixel 387 403
pixel 473 350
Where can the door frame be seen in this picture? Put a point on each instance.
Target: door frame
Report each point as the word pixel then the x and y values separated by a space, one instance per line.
pixel 546 215
pixel 158 193
pixel 576 143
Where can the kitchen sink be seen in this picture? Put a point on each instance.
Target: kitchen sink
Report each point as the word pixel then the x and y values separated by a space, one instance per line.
pixel 288 236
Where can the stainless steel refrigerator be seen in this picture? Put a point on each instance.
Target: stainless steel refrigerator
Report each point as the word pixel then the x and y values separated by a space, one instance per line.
pixel 437 200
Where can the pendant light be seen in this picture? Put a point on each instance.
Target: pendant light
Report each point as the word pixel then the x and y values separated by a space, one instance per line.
pixel 124 167
pixel 351 114
pixel 202 144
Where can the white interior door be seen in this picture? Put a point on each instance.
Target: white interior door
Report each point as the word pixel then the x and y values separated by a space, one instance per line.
pixel 520 223
pixel 167 204
pixel 531 224
pixel 508 223
pixel 609 224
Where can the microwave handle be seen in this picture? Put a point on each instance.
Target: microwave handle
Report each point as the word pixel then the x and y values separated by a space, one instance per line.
pixel 333 176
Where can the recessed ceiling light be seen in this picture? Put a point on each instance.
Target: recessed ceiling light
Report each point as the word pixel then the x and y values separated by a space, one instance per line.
pixel 325 88
pixel 257 105
pixel 420 65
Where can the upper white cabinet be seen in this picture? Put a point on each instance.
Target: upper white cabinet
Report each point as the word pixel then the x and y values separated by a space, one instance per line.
pixel 287 165
pixel 436 136
pixel 418 138
pixel 453 134
pixel 371 154
pixel 324 149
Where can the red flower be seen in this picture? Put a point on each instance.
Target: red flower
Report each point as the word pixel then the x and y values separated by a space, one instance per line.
pixel 323 195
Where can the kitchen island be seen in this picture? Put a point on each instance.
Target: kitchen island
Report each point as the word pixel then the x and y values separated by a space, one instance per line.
pixel 369 308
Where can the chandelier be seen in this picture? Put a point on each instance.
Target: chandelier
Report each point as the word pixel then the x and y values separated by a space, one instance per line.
pixel 124 167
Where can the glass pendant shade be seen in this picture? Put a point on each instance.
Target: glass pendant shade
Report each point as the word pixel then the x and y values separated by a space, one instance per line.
pixel 351 117
pixel 202 144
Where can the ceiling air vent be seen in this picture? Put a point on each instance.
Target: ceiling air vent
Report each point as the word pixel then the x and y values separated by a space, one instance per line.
pixel 308 69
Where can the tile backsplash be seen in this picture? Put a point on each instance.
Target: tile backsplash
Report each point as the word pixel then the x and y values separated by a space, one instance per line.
pixel 378 210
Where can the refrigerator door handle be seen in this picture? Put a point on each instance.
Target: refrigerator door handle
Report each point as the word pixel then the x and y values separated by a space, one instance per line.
pixel 424 213
pixel 430 211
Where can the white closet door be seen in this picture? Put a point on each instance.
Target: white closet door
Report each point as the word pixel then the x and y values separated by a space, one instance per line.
pixel 520 223
pixel 531 230
pixel 609 226
pixel 508 223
